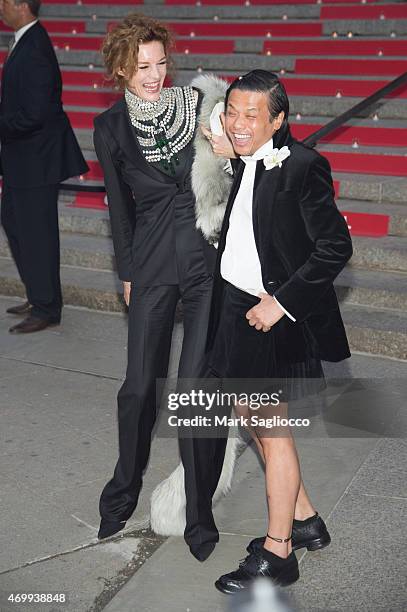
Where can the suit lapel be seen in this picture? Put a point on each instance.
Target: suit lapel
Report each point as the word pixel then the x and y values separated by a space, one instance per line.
pixel 266 186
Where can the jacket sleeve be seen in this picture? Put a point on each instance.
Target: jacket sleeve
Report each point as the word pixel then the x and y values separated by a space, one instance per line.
pixel 37 86
pixel 121 207
pixel 329 232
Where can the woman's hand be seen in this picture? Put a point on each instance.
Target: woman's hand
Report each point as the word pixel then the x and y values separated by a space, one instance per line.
pixel 126 291
pixel 221 145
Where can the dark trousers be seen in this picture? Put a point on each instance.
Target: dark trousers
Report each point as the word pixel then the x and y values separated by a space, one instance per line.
pixel 30 221
pixel 151 322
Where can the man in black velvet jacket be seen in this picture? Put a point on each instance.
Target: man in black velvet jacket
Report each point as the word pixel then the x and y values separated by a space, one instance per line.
pixel 275 314
pixel 38 151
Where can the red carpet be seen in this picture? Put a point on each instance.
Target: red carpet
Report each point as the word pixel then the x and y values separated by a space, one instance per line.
pixel 90 98
pixel 368 67
pixel 82 78
pixel 82 43
pixel 390 11
pixel 367 136
pixel 89 200
pixel 365 224
pixel 94 43
pixel 85 2
pixel 205 46
pixel 95 171
pixel 82 120
pixel 244 29
pixel 336 47
pixel 252 2
pixel 330 87
pixel 55 26
pixel 367 163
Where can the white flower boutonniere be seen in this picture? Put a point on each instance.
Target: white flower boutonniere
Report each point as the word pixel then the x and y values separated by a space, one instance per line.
pixel 276 157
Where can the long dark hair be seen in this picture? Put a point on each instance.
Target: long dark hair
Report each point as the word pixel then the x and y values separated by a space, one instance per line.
pixel 267 82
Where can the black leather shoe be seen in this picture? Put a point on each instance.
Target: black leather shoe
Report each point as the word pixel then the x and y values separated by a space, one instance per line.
pixel 109 528
pixel 311 534
pixel 31 324
pixel 281 571
pixel 21 309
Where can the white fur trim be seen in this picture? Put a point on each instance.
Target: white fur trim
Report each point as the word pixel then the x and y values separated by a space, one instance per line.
pixel 168 498
pixel 210 183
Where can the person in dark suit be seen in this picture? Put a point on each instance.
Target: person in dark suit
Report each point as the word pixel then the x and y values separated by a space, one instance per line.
pixel 145 146
pixel 38 151
pixel 275 314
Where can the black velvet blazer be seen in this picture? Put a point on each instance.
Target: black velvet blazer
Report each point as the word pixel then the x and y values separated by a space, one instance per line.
pixel 38 145
pixel 303 243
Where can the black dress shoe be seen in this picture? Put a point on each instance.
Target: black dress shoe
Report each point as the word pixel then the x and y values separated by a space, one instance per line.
pixel 21 309
pixel 31 324
pixel 262 563
pixel 311 534
pixel 203 551
pixel 109 528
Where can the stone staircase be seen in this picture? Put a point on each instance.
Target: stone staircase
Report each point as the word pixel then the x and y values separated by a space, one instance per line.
pixel 330 55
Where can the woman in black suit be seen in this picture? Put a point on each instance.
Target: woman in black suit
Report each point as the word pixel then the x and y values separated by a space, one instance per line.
pixel 145 146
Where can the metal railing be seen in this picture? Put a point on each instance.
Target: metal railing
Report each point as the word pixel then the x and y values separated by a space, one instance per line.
pixel 310 140
pixel 313 139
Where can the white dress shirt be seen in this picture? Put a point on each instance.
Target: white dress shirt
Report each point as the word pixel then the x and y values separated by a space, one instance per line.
pixel 240 263
pixel 19 33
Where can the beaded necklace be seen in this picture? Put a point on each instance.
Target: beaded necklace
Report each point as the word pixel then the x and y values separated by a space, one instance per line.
pixel 164 127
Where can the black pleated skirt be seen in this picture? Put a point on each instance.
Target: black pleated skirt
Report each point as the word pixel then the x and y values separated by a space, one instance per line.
pixel 242 352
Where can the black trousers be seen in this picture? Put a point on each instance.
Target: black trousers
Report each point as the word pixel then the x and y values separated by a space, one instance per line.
pixel 30 221
pixel 151 322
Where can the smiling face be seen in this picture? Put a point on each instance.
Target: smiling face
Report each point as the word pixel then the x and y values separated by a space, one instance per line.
pixel 248 122
pixel 148 80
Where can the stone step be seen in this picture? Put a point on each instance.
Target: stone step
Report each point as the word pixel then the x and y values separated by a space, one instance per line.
pixel 379 331
pixel 77 220
pixel 79 250
pixel 342 27
pixel 372 288
pixel 376 331
pixel 95 251
pixel 386 253
pixel 166 12
pixel 95 289
pixel 387 189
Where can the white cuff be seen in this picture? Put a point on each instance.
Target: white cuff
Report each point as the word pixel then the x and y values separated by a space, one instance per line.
pixel 284 310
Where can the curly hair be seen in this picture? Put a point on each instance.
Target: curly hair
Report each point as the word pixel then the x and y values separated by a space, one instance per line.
pixel 121 44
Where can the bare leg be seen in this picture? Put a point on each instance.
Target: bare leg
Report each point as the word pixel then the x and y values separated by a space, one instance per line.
pixel 303 507
pixel 283 481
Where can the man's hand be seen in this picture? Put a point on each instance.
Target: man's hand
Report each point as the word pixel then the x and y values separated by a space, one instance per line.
pixel 221 145
pixel 265 314
pixel 126 292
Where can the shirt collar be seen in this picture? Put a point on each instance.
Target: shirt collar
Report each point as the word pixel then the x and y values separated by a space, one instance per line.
pixel 19 33
pixel 261 153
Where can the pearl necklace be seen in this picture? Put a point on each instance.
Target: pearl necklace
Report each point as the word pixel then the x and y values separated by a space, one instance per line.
pixel 166 126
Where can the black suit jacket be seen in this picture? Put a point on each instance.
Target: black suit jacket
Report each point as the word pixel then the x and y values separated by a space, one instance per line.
pixel 150 212
pixel 303 243
pixel 38 146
